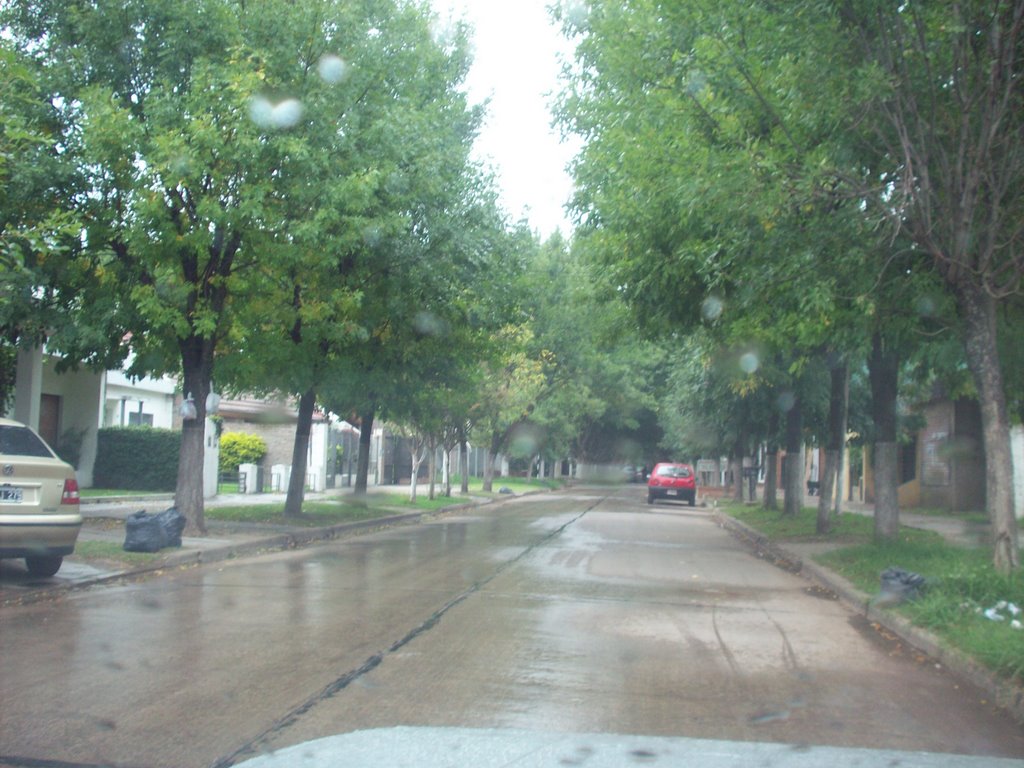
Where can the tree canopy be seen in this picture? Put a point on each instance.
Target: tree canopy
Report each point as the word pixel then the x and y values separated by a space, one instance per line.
pixel 738 161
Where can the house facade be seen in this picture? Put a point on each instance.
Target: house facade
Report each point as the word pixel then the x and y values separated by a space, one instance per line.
pixel 331 453
pixel 942 465
pixel 68 408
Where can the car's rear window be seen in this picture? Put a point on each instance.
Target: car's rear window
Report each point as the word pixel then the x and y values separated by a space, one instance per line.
pixel 21 441
pixel 674 471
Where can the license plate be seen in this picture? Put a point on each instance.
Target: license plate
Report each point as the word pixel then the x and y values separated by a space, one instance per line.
pixel 11 495
pixel 672 493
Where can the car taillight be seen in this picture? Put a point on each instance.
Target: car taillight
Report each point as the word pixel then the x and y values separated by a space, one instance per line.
pixel 70 495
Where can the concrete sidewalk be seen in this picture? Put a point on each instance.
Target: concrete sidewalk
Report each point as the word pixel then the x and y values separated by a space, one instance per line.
pixel 104 520
pixel 954 528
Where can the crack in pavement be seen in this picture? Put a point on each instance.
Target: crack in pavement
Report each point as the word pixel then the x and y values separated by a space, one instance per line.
pixel 252 747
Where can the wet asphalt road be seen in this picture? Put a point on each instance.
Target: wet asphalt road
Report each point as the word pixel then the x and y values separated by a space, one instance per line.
pixel 573 612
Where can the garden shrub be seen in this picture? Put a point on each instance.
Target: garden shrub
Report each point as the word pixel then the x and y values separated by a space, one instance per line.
pixel 137 458
pixel 240 448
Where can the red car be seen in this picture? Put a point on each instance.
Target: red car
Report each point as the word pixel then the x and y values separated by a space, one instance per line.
pixel 672 481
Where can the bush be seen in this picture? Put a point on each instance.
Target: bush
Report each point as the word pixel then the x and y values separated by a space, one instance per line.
pixel 240 448
pixel 137 459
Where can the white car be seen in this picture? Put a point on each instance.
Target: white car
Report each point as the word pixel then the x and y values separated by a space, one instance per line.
pixel 39 513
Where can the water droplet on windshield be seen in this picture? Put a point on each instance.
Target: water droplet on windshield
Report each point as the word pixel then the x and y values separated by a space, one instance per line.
pixel 749 362
pixel 696 83
pixel 181 165
pixel 429 324
pixel 287 113
pixel 332 69
pixel 372 236
pixel 577 13
pixel 526 440
pixel 266 114
pixel 926 306
pixel 786 401
pixel 261 111
pixel 712 308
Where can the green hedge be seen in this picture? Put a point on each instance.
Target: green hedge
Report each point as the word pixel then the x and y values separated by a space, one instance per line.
pixel 137 459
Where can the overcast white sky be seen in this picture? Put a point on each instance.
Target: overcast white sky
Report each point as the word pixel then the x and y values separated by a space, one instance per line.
pixel 516 65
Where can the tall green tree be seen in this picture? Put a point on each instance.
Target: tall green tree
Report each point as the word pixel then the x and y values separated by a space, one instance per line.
pixel 511 380
pixel 703 183
pixel 370 194
pixel 946 109
pixel 596 366
pixel 233 161
pixel 721 140
pixel 41 260
pixel 157 99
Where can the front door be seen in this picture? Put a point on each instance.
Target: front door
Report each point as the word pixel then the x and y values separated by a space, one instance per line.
pixel 49 419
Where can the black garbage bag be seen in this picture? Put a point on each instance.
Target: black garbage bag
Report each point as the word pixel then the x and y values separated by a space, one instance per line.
pixel 172 522
pixel 151 533
pixel 143 533
pixel 900 585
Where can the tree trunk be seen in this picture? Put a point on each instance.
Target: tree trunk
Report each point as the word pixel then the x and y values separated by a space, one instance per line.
pixel 446 472
pixel 300 454
pixel 197 373
pixel 488 483
pixel 416 453
pixel 887 509
pixel 432 468
pixel 740 451
pixel 843 426
pixel 883 370
pixel 772 463
pixel 980 340
pixel 794 478
pixel 826 489
pixel 489 462
pixel 365 436
pixel 737 471
pixel 771 469
pixel 464 465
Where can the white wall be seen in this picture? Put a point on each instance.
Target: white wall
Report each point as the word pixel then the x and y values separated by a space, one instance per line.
pixel 211 459
pixel 154 398
pixel 28 382
pixel 319 437
pixel 79 393
pixel 1017 450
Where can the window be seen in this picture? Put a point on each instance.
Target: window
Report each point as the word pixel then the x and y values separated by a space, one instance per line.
pixel 671 470
pixel 21 441
pixel 136 419
pixel 908 460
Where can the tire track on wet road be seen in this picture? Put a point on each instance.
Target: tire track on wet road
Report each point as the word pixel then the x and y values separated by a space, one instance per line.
pixel 252 747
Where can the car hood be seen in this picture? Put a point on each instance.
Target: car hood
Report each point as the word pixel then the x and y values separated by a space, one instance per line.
pixel 489 748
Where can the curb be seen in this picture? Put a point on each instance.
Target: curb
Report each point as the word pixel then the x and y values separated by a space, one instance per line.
pixel 141 499
pixel 1003 694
